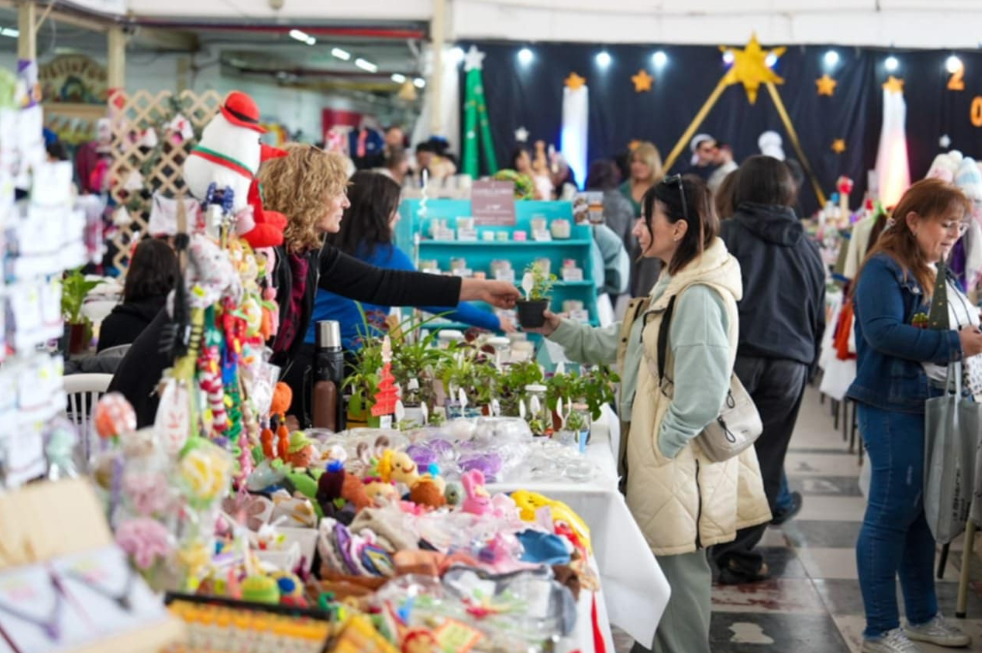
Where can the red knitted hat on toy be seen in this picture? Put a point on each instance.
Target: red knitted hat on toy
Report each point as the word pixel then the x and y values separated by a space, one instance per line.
pixel 240 109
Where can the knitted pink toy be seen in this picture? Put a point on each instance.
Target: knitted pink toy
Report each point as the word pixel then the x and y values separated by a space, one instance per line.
pixel 477 501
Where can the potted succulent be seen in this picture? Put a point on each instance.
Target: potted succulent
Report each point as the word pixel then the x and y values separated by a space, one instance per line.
pixel 78 329
pixel 537 283
pixel 512 385
pixel 363 382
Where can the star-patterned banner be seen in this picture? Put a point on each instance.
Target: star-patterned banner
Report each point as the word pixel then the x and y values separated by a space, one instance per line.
pixel 836 111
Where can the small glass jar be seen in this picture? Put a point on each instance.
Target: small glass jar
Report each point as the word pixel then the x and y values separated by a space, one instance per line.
pixel 538 414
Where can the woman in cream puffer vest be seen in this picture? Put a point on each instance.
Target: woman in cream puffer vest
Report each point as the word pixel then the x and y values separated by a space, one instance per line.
pixel 683 502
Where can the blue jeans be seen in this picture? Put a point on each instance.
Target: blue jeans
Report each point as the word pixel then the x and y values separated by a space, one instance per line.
pixel 895 539
pixel 784 500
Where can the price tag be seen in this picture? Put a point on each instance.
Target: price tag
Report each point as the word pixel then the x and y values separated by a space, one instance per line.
pixel 505 275
pixel 541 235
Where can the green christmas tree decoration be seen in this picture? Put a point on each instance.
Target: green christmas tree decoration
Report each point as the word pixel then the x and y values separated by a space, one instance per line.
pixel 476 125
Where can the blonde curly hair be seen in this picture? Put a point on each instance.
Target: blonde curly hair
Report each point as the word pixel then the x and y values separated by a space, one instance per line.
pixel 300 185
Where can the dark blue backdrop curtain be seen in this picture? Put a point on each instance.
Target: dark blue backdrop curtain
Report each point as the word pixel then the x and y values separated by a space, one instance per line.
pixel 531 96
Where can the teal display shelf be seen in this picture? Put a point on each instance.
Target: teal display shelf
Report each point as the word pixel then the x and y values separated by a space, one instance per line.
pixel 480 253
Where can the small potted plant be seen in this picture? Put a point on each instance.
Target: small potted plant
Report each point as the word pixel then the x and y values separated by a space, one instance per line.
pixel 78 329
pixel 537 283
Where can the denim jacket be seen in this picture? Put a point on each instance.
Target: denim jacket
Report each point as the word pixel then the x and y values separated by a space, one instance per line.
pixel 889 350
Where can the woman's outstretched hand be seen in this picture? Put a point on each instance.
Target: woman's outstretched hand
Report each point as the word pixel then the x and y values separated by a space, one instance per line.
pixel 502 294
pixel 549 326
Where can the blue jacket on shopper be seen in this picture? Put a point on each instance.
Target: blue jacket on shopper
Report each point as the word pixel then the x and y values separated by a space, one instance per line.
pixel 889 350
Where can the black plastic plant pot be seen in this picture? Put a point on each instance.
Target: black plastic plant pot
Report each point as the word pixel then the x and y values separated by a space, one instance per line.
pixel 531 313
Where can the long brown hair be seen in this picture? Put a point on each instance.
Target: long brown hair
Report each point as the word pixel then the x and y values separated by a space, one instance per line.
pixel 697 211
pixel 929 199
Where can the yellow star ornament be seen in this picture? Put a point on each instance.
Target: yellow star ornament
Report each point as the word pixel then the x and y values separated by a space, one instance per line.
pixel 839 145
pixel 894 85
pixel 826 85
pixel 750 68
pixel 642 81
pixel 574 82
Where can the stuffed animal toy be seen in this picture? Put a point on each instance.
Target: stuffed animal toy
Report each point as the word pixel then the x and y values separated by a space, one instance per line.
pixel 300 452
pixel 945 166
pixel 353 491
pixel 257 226
pixel 229 153
pixel 477 502
pixel 282 398
pixel 211 275
pixel 426 492
pixel 379 491
pixel 454 493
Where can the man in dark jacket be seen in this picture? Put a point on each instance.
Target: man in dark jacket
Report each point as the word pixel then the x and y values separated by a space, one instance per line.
pixel 782 318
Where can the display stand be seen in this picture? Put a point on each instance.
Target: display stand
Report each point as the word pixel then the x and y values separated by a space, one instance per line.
pixel 480 253
pixel 48 522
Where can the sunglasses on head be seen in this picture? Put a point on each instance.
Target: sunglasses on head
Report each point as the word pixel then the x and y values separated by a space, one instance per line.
pixel 676 180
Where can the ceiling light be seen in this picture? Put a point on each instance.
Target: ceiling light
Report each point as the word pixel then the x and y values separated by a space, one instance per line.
pixel 659 58
pixel 525 56
pixel 8 31
pixel 344 55
pixel 831 58
pixel 603 59
pixel 728 57
pixel 891 64
pixel 302 36
pixel 398 79
pixel 419 82
pixel 364 64
pixel 953 64
pixel 770 59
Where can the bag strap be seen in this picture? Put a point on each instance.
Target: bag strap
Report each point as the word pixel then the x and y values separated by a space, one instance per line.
pixel 663 328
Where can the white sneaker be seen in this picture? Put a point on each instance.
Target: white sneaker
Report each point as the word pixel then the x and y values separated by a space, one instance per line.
pixel 894 641
pixel 938 631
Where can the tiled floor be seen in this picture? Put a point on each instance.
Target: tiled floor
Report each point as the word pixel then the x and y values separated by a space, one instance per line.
pixel 812 604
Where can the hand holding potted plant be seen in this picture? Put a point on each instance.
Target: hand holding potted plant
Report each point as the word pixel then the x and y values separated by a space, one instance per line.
pixel 537 283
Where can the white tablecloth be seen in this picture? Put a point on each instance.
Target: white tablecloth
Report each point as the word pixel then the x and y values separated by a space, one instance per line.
pixel 633 587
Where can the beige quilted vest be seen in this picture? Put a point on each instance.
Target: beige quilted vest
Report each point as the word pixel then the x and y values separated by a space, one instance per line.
pixel 689 503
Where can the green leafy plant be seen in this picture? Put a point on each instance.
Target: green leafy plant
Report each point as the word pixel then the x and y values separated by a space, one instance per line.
pixel 593 388
pixel 542 281
pixel 74 289
pixel 512 385
pixel 537 426
pixel 577 422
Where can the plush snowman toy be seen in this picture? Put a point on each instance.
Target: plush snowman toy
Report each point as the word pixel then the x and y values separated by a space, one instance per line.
pixel 228 154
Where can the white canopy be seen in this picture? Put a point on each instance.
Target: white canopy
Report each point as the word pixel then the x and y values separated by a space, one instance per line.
pixel 885 23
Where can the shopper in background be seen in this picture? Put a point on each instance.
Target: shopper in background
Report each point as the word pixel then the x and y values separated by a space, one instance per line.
pixel 149 279
pixel 782 318
pixel 892 384
pixel 723 197
pixel 396 165
pixel 704 156
pixel 309 186
pixel 564 187
pixel 724 166
pixel 367 233
pixel 682 501
pixel 646 171
pixel 521 160
pixel 618 211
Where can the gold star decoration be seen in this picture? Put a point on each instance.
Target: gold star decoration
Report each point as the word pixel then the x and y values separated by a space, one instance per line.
pixel 574 82
pixel 642 81
pixel 826 85
pixel 750 68
pixel 633 145
pixel 839 145
pixel 894 85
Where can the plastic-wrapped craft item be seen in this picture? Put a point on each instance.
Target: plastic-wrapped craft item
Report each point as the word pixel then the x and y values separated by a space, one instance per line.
pixel 502 429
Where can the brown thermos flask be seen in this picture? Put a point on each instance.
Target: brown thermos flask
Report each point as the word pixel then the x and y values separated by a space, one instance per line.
pixel 328 409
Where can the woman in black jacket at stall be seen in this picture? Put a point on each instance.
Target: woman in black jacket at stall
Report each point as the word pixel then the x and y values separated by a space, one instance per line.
pixel 309 187
pixel 149 278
